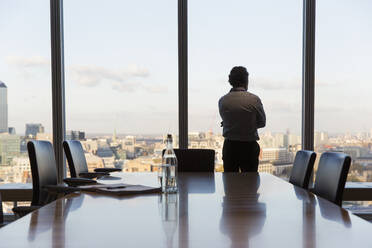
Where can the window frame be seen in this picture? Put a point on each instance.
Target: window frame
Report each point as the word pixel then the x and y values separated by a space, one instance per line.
pixel 58 78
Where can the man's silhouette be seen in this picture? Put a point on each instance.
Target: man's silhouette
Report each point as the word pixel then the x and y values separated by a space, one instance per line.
pixel 242 114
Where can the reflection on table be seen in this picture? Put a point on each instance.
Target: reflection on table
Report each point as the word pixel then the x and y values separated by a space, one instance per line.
pixel 243 216
pixel 210 210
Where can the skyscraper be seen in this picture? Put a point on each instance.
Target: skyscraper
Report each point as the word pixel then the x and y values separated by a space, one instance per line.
pixel 9 148
pixel 3 108
pixel 34 128
pixel 75 135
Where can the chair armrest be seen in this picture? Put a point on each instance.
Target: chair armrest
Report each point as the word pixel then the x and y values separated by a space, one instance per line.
pixel 107 170
pixel 23 210
pixel 91 175
pixel 74 182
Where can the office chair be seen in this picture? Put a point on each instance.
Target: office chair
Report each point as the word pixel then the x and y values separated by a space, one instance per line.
pixel 1 213
pixel 302 168
pixel 195 160
pixel 78 164
pixel 331 176
pixel 44 177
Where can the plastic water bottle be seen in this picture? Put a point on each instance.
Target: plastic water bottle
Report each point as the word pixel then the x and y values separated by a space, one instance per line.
pixel 169 168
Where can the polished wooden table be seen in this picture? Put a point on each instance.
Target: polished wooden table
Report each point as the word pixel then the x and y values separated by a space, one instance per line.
pixel 354 191
pixel 210 210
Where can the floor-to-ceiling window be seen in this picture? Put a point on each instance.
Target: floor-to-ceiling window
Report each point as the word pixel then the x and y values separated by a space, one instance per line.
pixel 266 38
pixel 25 85
pixel 343 106
pixel 121 80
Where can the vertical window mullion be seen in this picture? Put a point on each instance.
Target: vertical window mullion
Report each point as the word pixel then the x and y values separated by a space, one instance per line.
pixel 182 75
pixel 58 84
pixel 308 74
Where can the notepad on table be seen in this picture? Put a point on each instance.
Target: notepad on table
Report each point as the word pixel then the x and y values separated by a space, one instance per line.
pixel 120 189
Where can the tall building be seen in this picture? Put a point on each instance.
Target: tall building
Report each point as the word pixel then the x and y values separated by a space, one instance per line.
pixel 32 129
pixel 286 139
pixel 75 135
pixel 320 138
pixel 9 148
pixel 277 155
pixel 11 130
pixel 291 139
pixel 279 140
pixel 3 108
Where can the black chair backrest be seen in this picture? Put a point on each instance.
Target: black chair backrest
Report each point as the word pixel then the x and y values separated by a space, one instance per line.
pixel 302 167
pixel 75 157
pixel 1 212
pixel 43 169
pixel 195 160
pixel 331 176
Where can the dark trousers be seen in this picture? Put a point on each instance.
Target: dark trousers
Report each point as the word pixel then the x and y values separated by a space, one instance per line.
pixel 241 155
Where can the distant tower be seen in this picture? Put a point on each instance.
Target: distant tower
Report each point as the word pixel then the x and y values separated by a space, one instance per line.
pixel 287 139
pixel 3 108
pixel 114 136
pixel 32 129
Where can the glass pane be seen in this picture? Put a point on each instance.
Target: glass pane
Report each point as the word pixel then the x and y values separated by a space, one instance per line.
pixel 25 85
pixel 343 102
pixel 268 43
pixel 25 90
pixel 121 80
pixel 343 105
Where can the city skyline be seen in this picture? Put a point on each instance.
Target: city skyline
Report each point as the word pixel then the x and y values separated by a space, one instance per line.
pixel 5 120
pixel 4 112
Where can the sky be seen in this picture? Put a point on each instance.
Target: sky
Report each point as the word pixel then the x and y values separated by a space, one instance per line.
pixel 121 63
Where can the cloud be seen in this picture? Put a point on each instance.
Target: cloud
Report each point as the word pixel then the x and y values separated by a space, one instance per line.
pixel 322 83
pixel 283 107
pixel 286 107
pixel 292 84
pixel 125 86
pixel 136 71
pixel 270 84
pixel 156 89
pixel 329 109
pixel 27 62
pixel 91 76
pixel 125 79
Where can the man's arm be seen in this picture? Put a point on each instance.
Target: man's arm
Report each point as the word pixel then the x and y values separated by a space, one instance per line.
pixel 220 110
pixel 260 116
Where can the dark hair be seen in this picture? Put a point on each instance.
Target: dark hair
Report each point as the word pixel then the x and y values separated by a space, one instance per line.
pixel 238 76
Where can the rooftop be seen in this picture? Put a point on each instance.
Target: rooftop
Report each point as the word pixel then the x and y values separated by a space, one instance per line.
pixel 2 85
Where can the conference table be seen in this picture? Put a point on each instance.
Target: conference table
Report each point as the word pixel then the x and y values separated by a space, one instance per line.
pixel 210 210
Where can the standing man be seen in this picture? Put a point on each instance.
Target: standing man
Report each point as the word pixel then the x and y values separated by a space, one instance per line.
pixel 242 114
